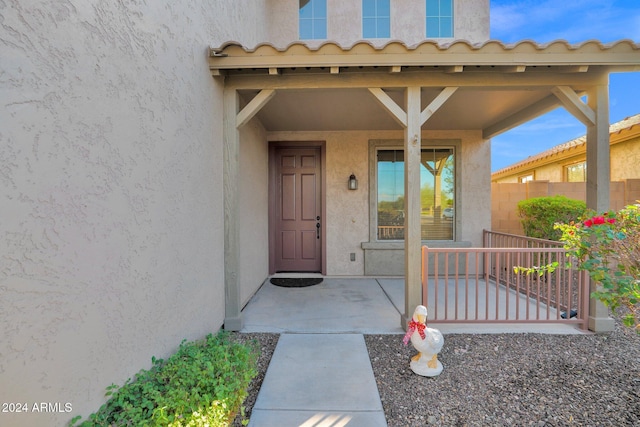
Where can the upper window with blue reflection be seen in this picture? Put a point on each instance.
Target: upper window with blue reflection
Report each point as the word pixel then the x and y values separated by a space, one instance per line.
pixel 313 19
pixel 376 19
pixel 439 18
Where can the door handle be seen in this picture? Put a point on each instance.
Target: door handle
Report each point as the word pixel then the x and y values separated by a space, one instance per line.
pixel 317 230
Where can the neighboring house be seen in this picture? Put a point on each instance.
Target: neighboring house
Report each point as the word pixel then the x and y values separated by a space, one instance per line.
pixel 567 162
pixel 151 184
pixel 561 170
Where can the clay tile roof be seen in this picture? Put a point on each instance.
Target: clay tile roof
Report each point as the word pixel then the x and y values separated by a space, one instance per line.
pixel 618 127
pixel 457 52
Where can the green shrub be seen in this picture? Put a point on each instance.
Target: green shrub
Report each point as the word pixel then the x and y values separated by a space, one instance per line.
pixel 607 246
pixel 541 213
pixel 203 383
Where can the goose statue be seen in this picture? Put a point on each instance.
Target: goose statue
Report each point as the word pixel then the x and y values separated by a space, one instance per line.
pixel 427 341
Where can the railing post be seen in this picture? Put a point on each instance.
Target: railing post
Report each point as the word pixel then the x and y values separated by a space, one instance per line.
pixel 599 320
pixel 425 275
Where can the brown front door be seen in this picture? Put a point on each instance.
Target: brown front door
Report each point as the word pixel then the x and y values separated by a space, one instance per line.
pixel 298 222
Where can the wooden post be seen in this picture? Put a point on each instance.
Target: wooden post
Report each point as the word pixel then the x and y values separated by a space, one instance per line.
pixel 412 234
pixel 598 167
pixel 231 166
pixel 412 121
pixel 598 177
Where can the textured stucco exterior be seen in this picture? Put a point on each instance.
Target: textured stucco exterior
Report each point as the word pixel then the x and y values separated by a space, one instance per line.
pixel 625 158
pixel 344 22
pixel 253 209
pixel 111 191
pixel 114 205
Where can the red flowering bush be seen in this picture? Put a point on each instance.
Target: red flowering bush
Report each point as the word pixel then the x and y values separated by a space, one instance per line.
pixel 599 220
pixel 608 247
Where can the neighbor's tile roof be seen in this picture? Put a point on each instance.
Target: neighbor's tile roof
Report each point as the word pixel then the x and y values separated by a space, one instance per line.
pixel 618 127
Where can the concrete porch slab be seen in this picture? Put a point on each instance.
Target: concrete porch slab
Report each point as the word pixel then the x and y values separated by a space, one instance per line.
pixel 337 305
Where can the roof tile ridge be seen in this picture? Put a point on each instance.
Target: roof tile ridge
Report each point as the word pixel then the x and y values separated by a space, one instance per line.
pixel 614 128
pixel 440 45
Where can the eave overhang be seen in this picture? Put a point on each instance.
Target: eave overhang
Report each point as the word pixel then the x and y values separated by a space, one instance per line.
pixel 499 86
pixel 510 58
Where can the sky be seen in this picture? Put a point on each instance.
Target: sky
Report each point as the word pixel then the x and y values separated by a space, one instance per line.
pixel 575 21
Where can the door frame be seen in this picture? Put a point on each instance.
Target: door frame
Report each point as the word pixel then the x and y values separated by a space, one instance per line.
pixel 273 146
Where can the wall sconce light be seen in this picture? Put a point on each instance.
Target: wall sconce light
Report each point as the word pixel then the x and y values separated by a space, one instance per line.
pixel 353 182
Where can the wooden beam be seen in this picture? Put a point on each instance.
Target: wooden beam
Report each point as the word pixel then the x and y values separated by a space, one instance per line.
pixel 598 151
pixel 520 117
pixel 454 69
pixel 230 172
pixel 390 105
pixel 574 105
pixel 516 69
pixel 436 104
pixel 598 187
pixel 252 108
pixel 426 79
pixel 574 69
pixel 412 234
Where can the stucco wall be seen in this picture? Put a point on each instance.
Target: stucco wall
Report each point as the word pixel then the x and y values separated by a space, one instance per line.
pixel 625 158
pixel 344 22
pixel 553 173
pixel 253 265
pixel 475 197
pixel 347 218
pixel 472 20
pixel 111 190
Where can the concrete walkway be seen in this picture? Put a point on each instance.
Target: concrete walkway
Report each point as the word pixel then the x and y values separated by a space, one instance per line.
pixel 320 374
pixel 319 380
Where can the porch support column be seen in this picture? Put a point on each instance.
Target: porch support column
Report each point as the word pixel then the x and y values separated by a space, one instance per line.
pixel 232 122
pixel 230 172
pixel 412 121
pixel 412 235
pixel 598 178
pixel 598 167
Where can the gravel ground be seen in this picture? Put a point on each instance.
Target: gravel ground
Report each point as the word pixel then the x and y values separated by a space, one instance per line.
pixel 503 379
pixel 267 343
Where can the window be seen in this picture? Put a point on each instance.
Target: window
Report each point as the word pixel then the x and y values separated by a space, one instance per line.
pixel 437 189
pixel 439 18
pixel 525 178
pixel 376 19
pixel 313 19
pixel 576 172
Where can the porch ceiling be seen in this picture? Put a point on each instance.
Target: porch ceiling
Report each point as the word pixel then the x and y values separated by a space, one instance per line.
pixel 356 109
pixel 500 86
